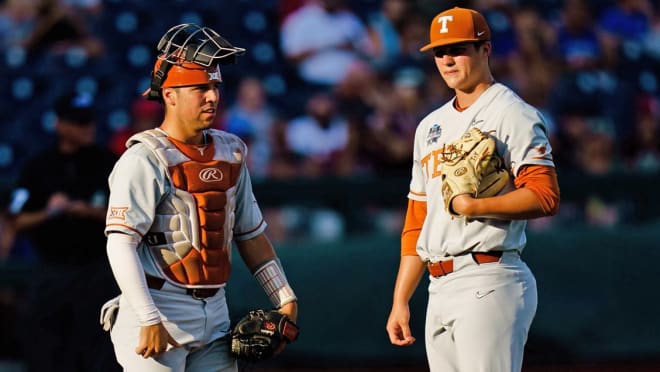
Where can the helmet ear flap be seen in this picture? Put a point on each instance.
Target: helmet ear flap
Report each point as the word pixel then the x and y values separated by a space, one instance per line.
pixel 157 80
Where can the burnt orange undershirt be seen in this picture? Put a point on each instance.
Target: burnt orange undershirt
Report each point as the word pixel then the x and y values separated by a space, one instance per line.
pixel 192 151
pixel 540 179
pixel 412 227
pixel 457 107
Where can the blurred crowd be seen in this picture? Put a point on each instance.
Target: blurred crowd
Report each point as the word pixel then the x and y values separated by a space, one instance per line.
pixel 335 88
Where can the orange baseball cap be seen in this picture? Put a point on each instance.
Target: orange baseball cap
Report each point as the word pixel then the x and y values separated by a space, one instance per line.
pixel 457 25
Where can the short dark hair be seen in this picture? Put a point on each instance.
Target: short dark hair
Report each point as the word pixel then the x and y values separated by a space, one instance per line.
pixel 478 44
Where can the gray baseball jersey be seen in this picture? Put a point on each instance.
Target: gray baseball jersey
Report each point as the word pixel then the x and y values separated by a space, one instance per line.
pixel 521 140
pixel 479 316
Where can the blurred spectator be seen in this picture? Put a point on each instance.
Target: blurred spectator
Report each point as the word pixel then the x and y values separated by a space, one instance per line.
pixel 92 12
pixel 326 42
pixel 626 21
pixel 286 7
pixel 320 139
pixel 283 163
pixel 641 151
pixel 6 235
pixel 578 42
pixel 585 84
pixel 500 15
pixel 145 115
pixel 536 67
pixel 57 28
pixel 430 7
pixel 252 118
pixel 414 35
pixel 392 126
pixel 89 7
pixel 596 153
pixel 59 204
pixel 384 28
pixel 652 38
pixel 17 20
pixel 573 129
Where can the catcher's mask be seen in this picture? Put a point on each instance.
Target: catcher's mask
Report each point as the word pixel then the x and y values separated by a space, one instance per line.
pixel 190 55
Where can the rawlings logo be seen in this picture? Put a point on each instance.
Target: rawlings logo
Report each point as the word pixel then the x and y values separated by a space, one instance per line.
pixel 460 171
pixel 269 326
pixel 211 175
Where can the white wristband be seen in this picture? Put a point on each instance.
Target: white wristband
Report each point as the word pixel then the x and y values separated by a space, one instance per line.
pixel 272 279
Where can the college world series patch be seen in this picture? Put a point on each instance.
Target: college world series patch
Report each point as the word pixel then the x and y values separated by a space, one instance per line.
pixel 434 134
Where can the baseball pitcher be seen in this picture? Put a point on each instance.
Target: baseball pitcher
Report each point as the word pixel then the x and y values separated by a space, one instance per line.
pixel 482 166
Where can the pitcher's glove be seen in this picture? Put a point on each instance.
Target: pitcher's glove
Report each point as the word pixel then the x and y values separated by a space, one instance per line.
pixel 470 165
pixel 262 333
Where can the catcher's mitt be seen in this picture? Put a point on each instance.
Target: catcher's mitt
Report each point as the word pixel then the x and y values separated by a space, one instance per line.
pixel 260 334
pixel 471 166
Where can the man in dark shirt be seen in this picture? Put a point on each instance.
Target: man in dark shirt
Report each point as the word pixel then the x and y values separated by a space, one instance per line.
pixel 59 205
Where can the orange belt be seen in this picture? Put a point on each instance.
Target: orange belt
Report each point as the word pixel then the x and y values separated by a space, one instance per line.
pixel 438 269
pixel 198 293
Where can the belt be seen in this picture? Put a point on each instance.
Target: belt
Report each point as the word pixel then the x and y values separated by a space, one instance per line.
pixel 438 269
pixel 198 293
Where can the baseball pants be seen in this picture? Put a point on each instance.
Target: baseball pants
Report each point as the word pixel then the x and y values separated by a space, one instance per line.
pixel 478 317
pixel 199 326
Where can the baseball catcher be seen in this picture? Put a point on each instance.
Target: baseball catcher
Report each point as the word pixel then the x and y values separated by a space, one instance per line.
pixel 180 198
pixel 471 166
pixel 262 334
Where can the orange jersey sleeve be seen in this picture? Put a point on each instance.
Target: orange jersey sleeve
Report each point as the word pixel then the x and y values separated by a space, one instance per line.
pixel 542 180
pixel 412 227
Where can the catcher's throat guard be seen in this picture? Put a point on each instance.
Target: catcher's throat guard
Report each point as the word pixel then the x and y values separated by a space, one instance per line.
pixel 189 54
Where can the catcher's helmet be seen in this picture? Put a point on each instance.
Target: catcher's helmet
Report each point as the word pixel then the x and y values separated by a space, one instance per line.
pixel 190 55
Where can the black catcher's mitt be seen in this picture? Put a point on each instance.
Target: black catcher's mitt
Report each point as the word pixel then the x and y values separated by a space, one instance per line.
pixel 260 334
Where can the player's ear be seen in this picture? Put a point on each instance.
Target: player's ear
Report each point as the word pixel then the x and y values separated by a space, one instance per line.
pixel 487 48
pixel 168 95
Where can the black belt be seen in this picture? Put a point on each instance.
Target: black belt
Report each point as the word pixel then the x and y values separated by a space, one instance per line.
pixel 198 293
